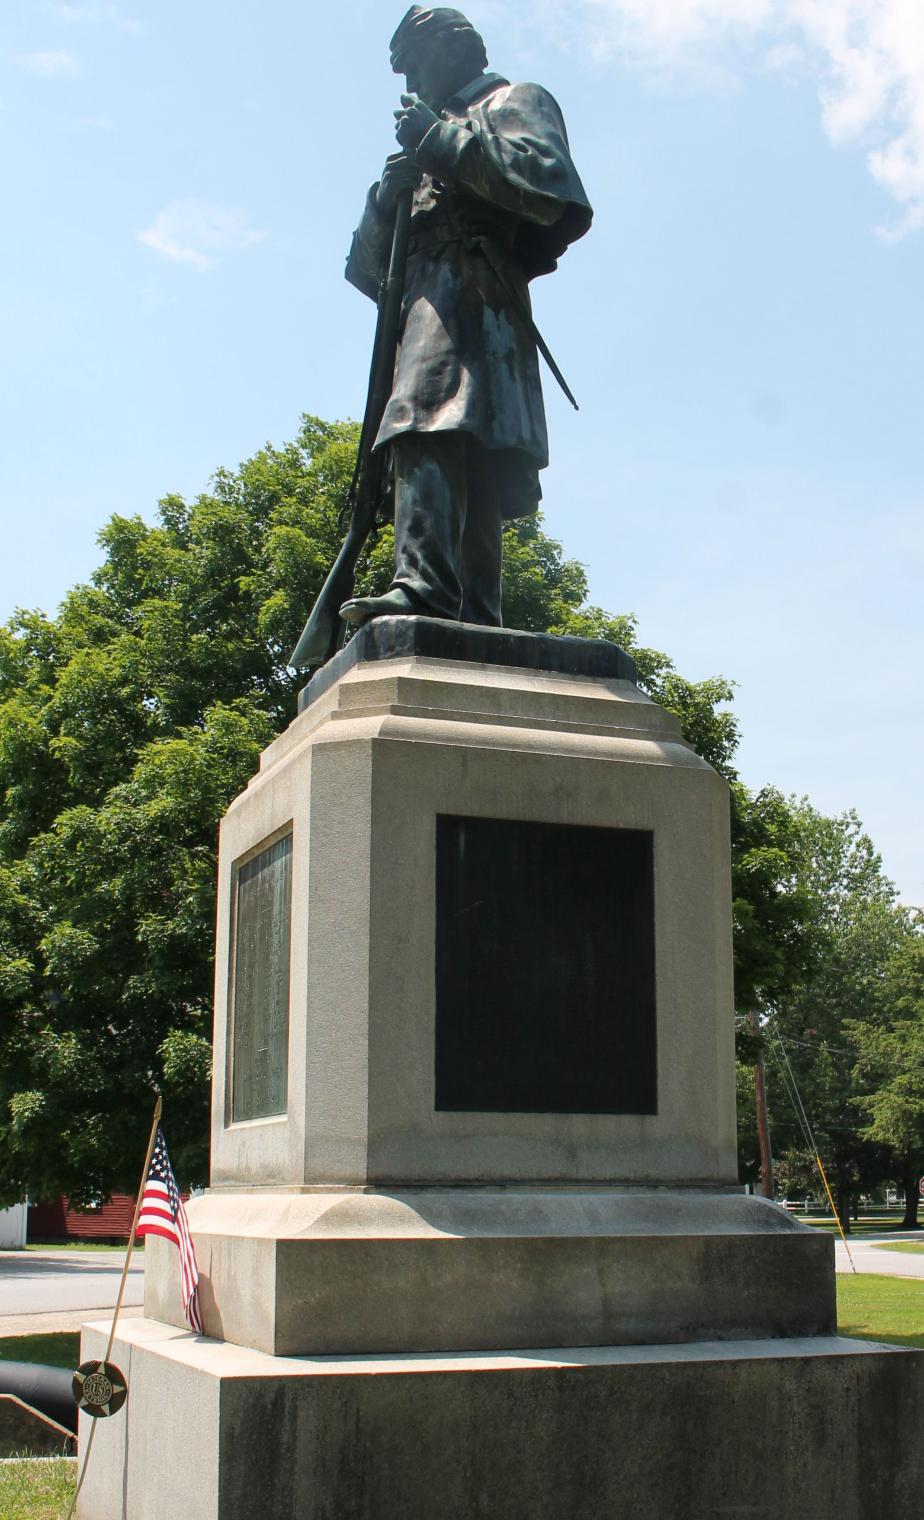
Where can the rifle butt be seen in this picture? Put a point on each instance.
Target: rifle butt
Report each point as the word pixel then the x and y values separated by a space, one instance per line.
pixel 321 632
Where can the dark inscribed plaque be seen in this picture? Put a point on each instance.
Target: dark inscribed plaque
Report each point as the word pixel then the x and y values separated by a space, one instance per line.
pixel 261 983
pixel 545 968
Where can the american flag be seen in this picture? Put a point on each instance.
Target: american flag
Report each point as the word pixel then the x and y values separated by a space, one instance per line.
pixel 162 1213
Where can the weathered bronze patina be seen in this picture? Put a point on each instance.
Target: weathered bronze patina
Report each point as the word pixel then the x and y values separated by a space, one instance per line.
pixel 495 201
pixel 260 967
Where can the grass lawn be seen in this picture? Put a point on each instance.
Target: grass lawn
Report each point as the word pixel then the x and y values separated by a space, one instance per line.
pixel 37 1490
pixel 899 1245
pixel 80 1245
pixel 888 1224
pixel 61 1349
pixel 871 1308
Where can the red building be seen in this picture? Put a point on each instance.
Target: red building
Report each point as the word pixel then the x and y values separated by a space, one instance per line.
pixel 57 1221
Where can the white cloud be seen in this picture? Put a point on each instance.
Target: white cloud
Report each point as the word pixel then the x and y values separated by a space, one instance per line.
pixel 57 63
pixel 195 232
pixel 93 11
pixel 655 28
pixel 867 58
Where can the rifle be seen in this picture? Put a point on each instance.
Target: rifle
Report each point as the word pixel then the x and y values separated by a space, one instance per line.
pixel 323 631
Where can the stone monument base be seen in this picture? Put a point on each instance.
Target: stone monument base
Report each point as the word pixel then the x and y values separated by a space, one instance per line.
pixel 502 950
pixel 802 1429
pixel 474 1096
pixel 333 1272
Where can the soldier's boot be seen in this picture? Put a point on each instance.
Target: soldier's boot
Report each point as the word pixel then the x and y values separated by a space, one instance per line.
pixel 396 602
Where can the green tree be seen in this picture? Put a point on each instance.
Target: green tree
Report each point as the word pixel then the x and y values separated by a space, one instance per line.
pixel 854 931
pixel 890 1059
pixel 128 723
pixel 776 941
pixel 104 923
pixel 775 935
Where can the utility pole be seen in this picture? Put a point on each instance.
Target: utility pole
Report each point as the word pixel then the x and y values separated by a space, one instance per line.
pixel 763 1123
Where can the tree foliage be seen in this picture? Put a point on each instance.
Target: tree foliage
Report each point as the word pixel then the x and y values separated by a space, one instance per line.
pixel 889 1049
pixel 772 903
pixel 835 990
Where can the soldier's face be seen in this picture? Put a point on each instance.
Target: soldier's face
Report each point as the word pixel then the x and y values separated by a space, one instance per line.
pixel 433 72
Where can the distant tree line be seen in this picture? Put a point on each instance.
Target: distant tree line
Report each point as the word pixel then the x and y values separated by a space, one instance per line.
pixel 130 720
pixel 843 1041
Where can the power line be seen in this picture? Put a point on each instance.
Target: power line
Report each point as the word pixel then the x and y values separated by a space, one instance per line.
pixel 741 1022
pixel 834 1050
pixel 803 1118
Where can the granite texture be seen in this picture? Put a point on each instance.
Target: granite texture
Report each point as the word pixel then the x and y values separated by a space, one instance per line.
pixel 455 1269
pixel 629 1433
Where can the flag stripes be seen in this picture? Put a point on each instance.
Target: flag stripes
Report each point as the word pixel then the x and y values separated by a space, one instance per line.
pixel 162 1213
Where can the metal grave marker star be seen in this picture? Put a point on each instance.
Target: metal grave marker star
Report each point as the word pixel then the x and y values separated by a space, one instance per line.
pixel 99 1388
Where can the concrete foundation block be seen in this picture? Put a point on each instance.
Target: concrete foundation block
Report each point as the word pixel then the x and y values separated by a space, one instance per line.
pixel 804 1429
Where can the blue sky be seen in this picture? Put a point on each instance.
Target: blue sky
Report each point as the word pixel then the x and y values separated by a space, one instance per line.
pixel 743 326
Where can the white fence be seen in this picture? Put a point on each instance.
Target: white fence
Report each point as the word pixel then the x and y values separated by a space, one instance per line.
pixel 13 1227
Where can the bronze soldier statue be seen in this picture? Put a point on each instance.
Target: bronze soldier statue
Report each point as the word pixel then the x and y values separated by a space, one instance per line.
pixel 496 200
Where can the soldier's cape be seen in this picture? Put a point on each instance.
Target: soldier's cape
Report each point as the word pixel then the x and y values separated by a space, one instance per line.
pixel 508 144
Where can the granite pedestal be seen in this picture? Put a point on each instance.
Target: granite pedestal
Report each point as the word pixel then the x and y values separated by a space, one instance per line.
pixel 801 1429
pixel 474 1096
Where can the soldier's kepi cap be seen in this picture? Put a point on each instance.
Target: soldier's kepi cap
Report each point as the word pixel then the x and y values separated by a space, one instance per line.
pixel 421 23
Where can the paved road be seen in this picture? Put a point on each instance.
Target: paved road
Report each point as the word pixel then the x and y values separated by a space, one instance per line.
pixel 64 1282
pixel 867 1258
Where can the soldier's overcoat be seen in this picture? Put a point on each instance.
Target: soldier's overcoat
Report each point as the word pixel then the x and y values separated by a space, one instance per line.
pixel 499 202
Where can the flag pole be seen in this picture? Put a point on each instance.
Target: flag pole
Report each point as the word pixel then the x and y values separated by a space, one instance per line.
pixel 158 1108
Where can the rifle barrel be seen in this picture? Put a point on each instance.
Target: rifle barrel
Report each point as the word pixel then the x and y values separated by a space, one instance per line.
pixel 320 634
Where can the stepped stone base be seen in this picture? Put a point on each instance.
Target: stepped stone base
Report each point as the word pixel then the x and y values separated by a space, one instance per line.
pixel 805 1429
pixel 474 1099
pixel 454 1269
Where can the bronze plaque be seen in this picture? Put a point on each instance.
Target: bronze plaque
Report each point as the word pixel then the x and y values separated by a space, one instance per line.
pixel 260 1041
pixel 545 968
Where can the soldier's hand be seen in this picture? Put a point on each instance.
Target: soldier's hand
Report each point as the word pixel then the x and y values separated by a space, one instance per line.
pixel 400 173
pixel 413 122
